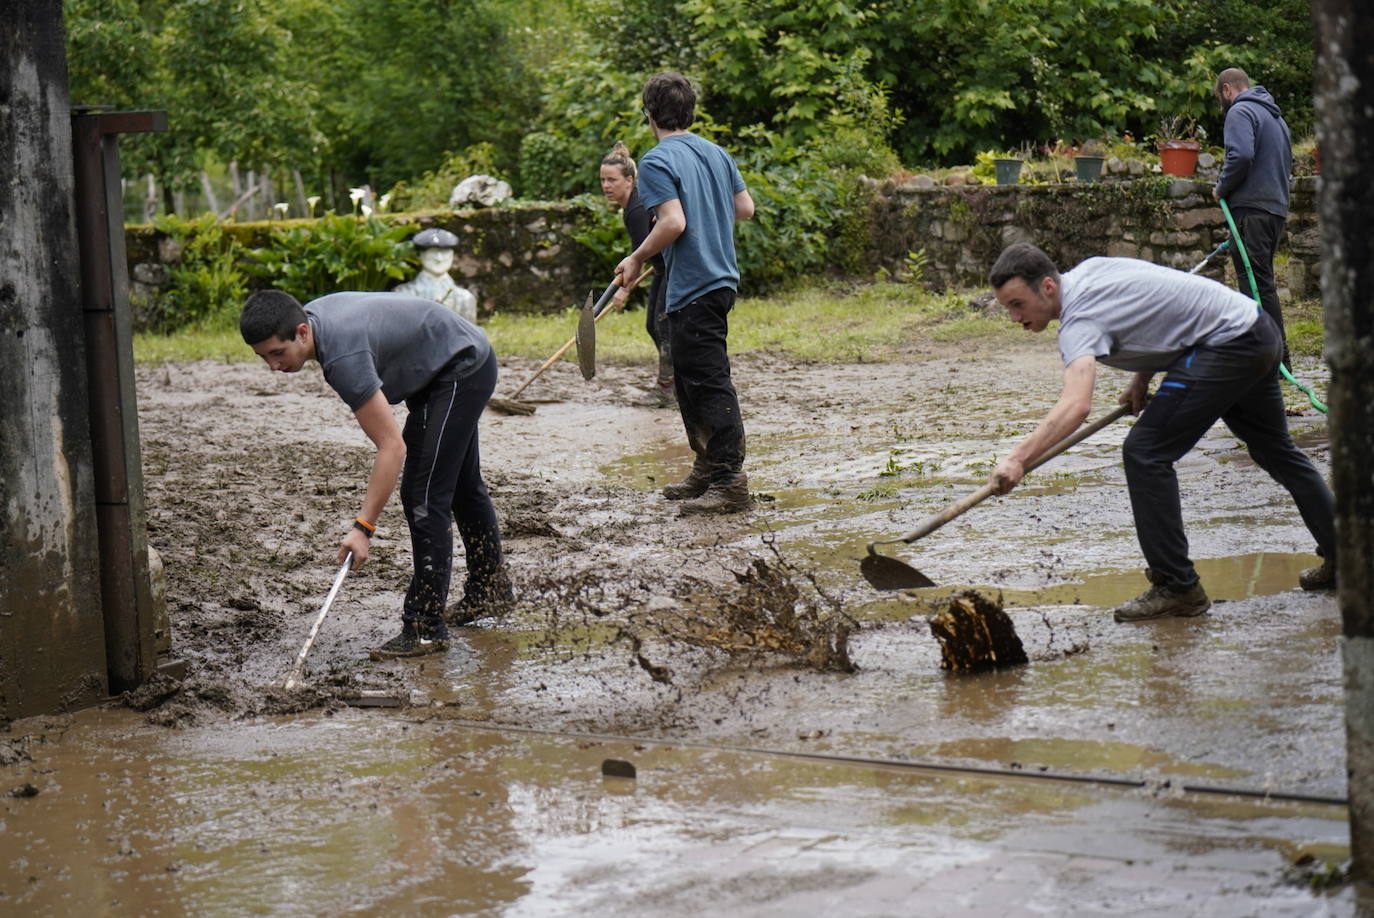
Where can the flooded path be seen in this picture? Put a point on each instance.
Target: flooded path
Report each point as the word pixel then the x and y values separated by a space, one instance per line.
pixel 1124 769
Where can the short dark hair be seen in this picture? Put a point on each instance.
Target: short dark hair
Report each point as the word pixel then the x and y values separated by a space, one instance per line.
pixel 1231 76
pixel 1023 260
pixel 671 101
pixel 270 313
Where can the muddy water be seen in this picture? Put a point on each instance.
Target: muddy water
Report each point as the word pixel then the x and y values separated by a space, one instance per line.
pixel 203 804
pixel 382 814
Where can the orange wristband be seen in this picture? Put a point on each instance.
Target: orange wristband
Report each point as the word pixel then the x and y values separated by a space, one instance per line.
pixel 365 526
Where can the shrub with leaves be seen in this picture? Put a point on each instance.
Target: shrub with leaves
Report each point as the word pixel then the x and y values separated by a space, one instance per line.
pixel 335 253
pixel 205 285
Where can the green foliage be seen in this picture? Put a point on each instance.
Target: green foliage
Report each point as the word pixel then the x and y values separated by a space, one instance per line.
pixel 205 285
pixel 602 233
pixel 431 191
pixel 333 253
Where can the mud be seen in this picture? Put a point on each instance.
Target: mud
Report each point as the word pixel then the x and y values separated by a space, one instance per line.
pixel 754 630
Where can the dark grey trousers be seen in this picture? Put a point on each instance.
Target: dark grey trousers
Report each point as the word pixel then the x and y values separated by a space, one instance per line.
pixel 1237 382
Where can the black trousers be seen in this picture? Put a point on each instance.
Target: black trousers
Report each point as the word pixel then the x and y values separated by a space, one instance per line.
pixel 1260 231
pixel 441 482
pixel 705 392
pixel 1237 382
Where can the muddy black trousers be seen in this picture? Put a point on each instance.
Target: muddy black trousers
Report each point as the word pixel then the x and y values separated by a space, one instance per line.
pixel 442 482
pixel 705 392
pixel 1237 382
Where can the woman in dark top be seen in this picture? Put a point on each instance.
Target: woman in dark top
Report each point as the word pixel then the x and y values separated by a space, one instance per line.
pixel 618 185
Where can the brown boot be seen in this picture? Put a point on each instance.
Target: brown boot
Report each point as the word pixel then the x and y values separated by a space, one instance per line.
pixel 694 485
pixel 731 497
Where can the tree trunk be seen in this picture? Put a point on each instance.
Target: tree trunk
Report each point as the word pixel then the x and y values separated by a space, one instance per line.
pixel 150 200
pixel 1345 123
pixel 301 201
pixel 211 202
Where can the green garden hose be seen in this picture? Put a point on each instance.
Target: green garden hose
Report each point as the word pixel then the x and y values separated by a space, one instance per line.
pixel 1254 289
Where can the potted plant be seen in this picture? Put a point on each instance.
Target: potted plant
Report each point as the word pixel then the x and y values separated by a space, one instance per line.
pixel 1179 143
pixel 1008 165
pixel 1087 164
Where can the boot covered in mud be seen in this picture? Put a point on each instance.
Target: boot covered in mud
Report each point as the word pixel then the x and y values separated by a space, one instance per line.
pixel 415 640
pixel 1162 601
pixel 694 485
pixel 483 596
pixel 1319 578
pixel 729 496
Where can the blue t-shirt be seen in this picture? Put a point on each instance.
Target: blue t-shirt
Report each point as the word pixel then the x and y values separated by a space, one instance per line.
pixel 705 179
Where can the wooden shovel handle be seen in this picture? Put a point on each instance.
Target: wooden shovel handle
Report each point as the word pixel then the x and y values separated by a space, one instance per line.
pixel 977 497
pixel 600 311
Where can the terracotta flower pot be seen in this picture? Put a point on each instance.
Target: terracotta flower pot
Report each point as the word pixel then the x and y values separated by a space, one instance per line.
pixel 1178 157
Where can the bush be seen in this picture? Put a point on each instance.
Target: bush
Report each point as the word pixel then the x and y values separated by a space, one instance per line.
pixel 205 285
pixel 335 253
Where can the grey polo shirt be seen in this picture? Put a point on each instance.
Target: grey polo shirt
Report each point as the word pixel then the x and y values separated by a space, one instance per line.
pixel 393 342
pixel 1137 316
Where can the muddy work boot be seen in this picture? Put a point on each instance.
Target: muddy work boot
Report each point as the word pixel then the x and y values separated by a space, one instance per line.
pixel 694 485
pixel 1161 602
pixel 482 597
pixel 1319 578
pixel 729 497
pixel 413 641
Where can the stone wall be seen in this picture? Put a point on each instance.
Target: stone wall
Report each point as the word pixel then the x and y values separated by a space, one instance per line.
pixel 527 257
pixel 1174 222
pixel 519 258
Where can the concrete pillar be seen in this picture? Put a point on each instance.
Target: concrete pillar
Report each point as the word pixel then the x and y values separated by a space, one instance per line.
pixel 1345 123
pixel 52 649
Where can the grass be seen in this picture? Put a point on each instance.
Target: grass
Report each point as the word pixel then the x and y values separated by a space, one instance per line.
pixel 871 322
pixel 864 323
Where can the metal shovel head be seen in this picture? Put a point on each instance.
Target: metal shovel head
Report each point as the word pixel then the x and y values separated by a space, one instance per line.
pixel 884 573
pixel 586 338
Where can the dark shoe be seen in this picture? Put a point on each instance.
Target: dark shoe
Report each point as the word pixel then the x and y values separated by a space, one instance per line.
pixel 1162 602
pixel 1319 578
pixel 720 498
pixel 482 597
pixel 409 643
pixel 694 485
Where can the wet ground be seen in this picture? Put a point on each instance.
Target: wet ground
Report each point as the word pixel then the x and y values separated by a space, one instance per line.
pixel 1186 767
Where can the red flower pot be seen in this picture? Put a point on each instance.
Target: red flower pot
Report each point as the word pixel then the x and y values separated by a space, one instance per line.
pixel 1179 157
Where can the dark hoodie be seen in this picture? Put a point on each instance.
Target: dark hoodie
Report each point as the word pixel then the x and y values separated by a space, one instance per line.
pixel 1259 155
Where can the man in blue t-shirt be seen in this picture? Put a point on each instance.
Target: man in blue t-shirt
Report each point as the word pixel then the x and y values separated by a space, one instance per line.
pixel 1220 358
pixel 377 350
pixel 697 194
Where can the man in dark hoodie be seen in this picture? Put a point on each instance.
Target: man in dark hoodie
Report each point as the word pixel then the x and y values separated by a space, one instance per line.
pixel 1254 182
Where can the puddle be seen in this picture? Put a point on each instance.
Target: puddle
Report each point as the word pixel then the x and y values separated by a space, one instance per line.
pixel 381 814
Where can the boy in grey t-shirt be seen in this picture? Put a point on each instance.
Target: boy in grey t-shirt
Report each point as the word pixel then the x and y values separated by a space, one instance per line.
pixel 1220 357
pixel 376 350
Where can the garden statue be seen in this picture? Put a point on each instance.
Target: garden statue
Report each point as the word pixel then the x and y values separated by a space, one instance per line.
pixel 484 190
pixel 433 281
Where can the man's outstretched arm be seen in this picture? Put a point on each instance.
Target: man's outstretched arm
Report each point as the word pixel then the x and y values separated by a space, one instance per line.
pixel 379 424
pixel 1075 401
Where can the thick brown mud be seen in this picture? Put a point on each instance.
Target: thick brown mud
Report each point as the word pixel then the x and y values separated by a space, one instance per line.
pixel 225 794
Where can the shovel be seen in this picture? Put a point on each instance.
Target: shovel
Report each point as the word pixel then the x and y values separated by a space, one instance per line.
pixel 585 339
pixel 885 573
pixel 294 679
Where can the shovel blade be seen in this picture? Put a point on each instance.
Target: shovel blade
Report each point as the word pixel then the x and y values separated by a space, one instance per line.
pixel 586 338
pixel 884 573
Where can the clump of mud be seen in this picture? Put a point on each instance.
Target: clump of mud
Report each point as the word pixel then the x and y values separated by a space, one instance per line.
pixel 976 634
pixel 172 702
pixel 767 610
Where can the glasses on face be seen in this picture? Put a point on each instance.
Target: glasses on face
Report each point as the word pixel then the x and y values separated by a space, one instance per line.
pixel 645 113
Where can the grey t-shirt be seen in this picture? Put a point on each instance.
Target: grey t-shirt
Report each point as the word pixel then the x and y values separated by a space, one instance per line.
pixel 398 343
pixel 1134 315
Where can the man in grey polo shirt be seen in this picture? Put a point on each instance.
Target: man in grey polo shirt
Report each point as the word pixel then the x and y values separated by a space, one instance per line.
pixel 376 350
pixel 1220 358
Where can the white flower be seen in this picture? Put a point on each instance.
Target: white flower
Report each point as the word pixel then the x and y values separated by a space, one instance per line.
pixel 384 202
pixel 367 211
pixel 312 201
pixel 281 207
pixel 356 194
